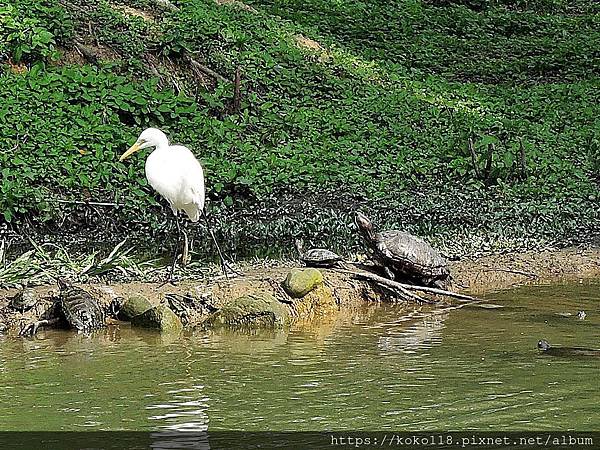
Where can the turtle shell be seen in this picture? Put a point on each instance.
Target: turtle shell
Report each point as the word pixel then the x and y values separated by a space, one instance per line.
pixel 410 255
pixel 80 309
pixel 320 257
pixel 24 300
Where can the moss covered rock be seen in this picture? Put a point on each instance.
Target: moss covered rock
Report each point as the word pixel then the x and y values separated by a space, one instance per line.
pixel 252 310
pixel 134 306
pixel 317 303
pixel 159 318
pixel 300 282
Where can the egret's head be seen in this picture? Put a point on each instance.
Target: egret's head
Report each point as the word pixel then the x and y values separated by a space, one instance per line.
pixel 150 137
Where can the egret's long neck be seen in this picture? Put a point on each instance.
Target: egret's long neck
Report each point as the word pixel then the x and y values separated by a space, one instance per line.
pixel 161 144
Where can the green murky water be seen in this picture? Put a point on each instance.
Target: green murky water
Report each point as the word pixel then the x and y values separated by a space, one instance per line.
pixel 472 367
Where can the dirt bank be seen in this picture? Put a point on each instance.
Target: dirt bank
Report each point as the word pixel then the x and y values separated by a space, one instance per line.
pixel 339 293
pixel 492 273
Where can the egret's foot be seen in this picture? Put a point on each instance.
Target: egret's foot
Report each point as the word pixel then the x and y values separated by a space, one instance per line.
pixel 171 276
pixel 226 268
pixel 32 328
pixel 169 280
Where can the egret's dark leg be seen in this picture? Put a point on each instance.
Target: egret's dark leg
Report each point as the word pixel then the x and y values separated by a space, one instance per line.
pixel 224 265
pixel 185 252
pixel 177 244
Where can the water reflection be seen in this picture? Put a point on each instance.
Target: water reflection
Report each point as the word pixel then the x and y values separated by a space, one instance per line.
pixel 417 334
pixel 186 410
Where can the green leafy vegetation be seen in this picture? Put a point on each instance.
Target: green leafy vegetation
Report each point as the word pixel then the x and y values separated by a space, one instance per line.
pixel 473 123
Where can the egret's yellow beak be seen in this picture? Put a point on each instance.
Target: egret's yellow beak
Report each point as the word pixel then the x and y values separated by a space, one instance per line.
pixel 134 148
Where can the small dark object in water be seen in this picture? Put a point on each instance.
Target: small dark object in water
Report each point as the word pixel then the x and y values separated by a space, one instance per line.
pixel 402 253
pixel 318 257
pixel 547 349
pixel 581 315
pixel 80 310
pixel 24 300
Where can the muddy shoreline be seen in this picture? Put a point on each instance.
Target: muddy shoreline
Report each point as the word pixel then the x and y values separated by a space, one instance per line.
pixel 497 272
pixel 259 299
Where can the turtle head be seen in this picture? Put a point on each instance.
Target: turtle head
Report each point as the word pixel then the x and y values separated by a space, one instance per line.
pixel 543 345
pixel 63 283
pixel 365 226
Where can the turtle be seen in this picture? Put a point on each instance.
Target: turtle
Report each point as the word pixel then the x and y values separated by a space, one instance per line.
pixel 24 300
pixel 76 306
pixel 545 347
pixel 317 257
pixel 402 254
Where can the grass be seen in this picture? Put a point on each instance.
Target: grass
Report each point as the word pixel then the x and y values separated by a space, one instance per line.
pixel 344 106
pixel 45 263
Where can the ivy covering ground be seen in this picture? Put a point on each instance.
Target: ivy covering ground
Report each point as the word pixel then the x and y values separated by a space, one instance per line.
pixel 344 105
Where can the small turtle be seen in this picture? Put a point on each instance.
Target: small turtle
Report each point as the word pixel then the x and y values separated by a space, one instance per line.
pixel 545 347
pixel 24 300
pixel 403 254
pixel 77 307
pixel 318 257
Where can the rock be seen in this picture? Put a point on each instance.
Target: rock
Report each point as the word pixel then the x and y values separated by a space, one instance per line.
pixel 252 310
pixel 300 282
pixel 317 303
pixel 134 306
pixel 160 318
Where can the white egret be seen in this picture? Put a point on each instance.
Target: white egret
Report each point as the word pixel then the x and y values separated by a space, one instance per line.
pixel 175 173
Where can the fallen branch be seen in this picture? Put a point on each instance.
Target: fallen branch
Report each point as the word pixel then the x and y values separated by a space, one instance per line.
pixel 409 287
pixel 202 68
pixel 403 293
pixel 80 202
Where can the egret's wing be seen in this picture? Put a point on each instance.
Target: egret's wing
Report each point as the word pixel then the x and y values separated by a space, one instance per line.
pixel 191 172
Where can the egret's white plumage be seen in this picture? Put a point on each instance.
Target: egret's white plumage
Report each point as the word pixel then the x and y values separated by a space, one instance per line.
pixel 173 171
